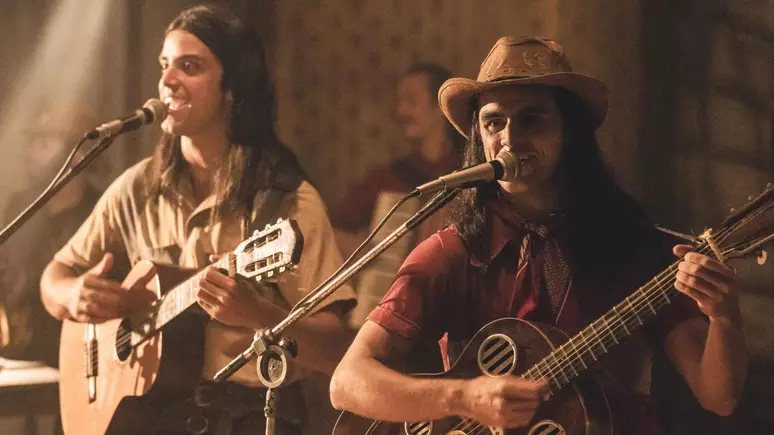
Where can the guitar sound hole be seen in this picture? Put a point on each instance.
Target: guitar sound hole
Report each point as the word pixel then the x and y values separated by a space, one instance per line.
pixel 497 355
pixel 420 428
pixel 124 340
pixel 547 427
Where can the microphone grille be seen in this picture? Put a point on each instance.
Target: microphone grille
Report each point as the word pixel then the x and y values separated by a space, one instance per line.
pixel 157 109
pixel 511 164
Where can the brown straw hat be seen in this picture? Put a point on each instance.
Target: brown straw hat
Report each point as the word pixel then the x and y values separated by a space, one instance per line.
pixel 527 61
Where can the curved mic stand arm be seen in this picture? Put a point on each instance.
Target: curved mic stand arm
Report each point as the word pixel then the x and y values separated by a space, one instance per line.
pixel 274 351
pixel 55 187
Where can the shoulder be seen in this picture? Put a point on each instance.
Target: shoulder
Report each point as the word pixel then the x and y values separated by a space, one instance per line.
pixel 443 252
pixel 131 184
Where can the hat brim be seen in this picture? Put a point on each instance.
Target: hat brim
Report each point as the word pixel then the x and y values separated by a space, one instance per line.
pixel 455 95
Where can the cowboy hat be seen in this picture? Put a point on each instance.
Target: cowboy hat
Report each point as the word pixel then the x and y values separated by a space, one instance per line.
pixel 525 61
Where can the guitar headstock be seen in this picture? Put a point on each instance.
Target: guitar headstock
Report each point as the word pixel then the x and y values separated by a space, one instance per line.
pixel 270 251
pixel 748 231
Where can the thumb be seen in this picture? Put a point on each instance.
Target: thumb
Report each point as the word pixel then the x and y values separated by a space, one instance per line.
pixel 681 250
pixel 103 267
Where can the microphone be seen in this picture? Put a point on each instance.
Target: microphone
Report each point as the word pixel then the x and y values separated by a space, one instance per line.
pixel 152 112
pixel 506 166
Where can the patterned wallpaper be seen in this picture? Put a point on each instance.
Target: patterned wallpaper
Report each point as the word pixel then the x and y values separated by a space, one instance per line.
pixel 337 65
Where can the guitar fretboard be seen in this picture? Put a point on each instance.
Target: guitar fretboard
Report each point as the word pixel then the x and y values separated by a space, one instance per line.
pixel 181 297
pixel 571 359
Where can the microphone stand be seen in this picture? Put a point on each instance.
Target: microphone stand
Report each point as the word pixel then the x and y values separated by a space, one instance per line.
pixel 41 200
pixel 274 351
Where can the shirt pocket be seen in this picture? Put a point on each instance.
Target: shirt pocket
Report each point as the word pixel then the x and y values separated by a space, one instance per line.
pixel 169 254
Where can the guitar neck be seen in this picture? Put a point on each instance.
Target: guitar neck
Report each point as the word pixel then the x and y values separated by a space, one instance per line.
pixel 181 297
pixel 582 351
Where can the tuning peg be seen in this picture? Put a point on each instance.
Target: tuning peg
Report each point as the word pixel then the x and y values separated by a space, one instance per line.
pixel 733 210
pixel 270 273
pixel 769 186
pixel 255 233
pixel 279 221
pixel 750 198
pixel 282 269
pixel 259 278
pixel 762 256
pixel 266 227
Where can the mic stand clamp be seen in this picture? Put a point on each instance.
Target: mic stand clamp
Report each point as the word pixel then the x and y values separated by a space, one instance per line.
pixel 276 352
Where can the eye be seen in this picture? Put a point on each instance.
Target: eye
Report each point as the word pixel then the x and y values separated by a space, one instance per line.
pixel 532 119
pixel 189 66
pixel 494 124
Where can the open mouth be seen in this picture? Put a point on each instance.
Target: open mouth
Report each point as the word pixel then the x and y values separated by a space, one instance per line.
pixel 176 105
pixel 528 165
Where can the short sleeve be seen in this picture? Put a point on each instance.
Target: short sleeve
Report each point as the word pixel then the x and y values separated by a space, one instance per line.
pixel 320 256
pixel 426 283
pixel 99 233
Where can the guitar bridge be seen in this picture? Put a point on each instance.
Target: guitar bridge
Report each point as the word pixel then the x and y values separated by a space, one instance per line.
pixel 92 360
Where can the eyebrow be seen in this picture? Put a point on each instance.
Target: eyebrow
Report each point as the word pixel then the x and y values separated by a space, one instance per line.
pixel 184 57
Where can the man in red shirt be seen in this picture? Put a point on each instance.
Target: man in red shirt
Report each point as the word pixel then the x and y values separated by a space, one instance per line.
pixel 561 245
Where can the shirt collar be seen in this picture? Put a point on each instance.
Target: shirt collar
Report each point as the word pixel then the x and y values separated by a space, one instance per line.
pixel 507 226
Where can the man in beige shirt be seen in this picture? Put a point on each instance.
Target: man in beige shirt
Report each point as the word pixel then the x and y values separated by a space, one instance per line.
pixel 211 176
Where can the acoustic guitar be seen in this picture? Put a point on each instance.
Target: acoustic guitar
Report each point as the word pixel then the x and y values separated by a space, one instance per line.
pixel 117 377
pixel 515 347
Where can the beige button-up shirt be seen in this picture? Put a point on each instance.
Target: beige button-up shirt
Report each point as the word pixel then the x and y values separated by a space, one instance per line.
pixel 171 228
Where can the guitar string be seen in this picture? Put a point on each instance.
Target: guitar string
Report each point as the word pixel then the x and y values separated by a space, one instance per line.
pixel 552 371
pixel 642 298
pixel 465 422
pixel 646 297
pixel 666 277
pixel 187 286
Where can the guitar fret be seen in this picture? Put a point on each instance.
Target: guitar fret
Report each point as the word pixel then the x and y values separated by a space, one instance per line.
pixel 569 360
pixel 647 300
pixel 620 319
pixel 664 294
pixel 599 338
pixel 634 310
pixel 591 350
pixel 612 333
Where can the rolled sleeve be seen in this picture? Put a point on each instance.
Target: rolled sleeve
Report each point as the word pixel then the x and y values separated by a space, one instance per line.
pixel 426 283
pixel 98 234
pixel 320 256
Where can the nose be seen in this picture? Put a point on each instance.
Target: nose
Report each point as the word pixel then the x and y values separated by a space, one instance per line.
pixel 514 137
pixel 169 78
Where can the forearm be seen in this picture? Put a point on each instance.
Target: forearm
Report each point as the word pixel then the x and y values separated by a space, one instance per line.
pixel 723 366
pixel 322 337
pixel 368 388
pixel 56 285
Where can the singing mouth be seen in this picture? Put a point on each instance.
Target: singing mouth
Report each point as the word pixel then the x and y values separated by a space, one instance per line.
pixel 527 165
pixel 175 105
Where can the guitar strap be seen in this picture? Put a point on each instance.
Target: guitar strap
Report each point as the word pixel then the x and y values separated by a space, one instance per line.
pixel 286 179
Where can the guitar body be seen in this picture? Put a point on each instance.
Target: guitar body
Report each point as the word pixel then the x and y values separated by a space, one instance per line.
pixel 507 346
pixel 133 386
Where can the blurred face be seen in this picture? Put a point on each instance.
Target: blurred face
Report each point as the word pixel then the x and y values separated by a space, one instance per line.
pixel 416 110
pixel 46 152
pixel 190 85
pixel 526 119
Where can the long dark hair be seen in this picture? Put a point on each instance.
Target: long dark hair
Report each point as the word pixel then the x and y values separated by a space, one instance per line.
pixel 255 149
pixel 588 195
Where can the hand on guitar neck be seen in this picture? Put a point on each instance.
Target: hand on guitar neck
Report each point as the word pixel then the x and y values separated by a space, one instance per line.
pixel 227 300
pixel 709 282
pixel 96 299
